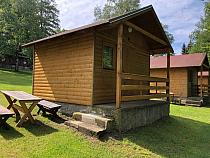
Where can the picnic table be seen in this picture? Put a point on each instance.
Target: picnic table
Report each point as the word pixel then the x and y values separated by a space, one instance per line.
pixel 27 103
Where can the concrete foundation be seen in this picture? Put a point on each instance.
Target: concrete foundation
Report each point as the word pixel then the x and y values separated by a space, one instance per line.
pixel 128 118
pixel 131 114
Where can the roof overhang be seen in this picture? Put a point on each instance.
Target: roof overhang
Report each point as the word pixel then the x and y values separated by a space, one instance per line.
pixel 195 60
pixel 138 18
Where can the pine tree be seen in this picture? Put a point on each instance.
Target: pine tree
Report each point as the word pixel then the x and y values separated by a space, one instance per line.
pixel 22 21
pixel 184 49
pixel 48 17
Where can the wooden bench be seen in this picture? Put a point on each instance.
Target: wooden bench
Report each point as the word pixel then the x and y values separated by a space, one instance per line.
pixel 4 115
pixel 46 106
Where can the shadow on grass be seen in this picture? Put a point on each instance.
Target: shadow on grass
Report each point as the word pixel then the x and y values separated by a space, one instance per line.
pixel 10 133
pixel 174 137
pixel 39 128
pixel 53 118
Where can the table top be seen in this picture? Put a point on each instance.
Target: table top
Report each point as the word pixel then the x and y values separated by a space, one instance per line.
pixel 21 96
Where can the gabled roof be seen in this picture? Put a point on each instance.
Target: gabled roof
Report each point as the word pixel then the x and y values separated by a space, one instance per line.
pixel 178 61
pixel 148 18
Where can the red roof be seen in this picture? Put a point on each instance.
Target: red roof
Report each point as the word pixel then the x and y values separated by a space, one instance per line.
pixel 188 60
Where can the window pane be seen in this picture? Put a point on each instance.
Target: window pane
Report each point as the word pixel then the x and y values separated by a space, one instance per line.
pixel 108 57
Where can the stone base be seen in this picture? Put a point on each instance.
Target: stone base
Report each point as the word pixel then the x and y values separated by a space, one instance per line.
pixel 137 116
pixel 131 114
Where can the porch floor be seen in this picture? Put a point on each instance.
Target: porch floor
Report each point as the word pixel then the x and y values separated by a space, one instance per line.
pixel 109 109
pixel 131 104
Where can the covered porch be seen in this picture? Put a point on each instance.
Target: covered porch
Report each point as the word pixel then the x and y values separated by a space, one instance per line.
pixel 138 96
pixel 202 89
pixel 135 87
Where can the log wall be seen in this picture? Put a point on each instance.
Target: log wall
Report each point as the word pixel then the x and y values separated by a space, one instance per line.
pixel 63 69
pixel 205 80
pixel 178 80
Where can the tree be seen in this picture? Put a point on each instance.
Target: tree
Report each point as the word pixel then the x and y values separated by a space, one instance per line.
pixel 168 34
pixel 48 17
pixel 114 8
pixel 184 49
pixel 200 37
pixel 22 21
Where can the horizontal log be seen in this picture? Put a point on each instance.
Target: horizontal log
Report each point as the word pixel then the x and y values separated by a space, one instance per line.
pixel 142 97
pixel 129 76
pixel 143 87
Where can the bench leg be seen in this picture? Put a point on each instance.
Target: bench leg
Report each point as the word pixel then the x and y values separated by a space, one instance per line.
pixel 41 109
pixel 54 112
pixel 3 120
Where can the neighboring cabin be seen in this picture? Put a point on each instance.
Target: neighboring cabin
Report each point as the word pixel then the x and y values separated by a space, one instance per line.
pixel 104 62
pixel 183 72
pixel 205 78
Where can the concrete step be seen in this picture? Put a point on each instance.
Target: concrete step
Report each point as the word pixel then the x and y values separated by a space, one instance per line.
pixel 86 128
pixel 93 119
pixel 194 102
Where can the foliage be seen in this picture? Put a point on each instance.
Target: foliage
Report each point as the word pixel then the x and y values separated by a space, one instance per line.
pixel 184 49
pixel 200 37
pixel 22 21
pixel 114 8
pixel 168 34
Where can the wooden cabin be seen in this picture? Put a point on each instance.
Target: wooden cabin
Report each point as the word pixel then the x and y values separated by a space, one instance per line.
pixel 204 78
pixel 104 62
pixel 183 73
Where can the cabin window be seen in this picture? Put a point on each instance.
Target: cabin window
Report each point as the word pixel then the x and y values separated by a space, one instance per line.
pixel 108 57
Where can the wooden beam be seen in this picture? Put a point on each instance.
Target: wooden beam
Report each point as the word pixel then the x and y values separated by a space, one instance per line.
pixel 201 81
pixel 137 28
pixel 206 66
pixel 119 65
pixel 129 76
pixel 168 76
pixel 142 97
pixel 143 87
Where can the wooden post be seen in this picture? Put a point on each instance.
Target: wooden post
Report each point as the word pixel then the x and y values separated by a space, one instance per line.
pixel 119 65
pixel 208 83
pixel 156 87
pixel 168 76
pixel 201 81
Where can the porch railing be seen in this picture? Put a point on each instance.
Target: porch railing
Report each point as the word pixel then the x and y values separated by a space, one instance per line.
pixel 203 90
pixel 143 87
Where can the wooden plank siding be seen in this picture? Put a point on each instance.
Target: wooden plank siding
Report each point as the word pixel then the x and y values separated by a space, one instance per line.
pixel 178 80
pixel 135 60
pixel 63 69
pixel 205 80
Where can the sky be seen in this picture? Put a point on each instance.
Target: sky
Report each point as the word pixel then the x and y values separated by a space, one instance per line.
pixel 181 16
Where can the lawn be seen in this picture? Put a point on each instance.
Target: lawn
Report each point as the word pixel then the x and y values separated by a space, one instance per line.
pixel 186 133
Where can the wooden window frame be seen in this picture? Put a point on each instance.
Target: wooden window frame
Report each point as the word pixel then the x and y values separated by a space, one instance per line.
pixel 106 44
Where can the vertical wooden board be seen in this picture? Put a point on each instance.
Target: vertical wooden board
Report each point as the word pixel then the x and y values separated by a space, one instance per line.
pixel 119 65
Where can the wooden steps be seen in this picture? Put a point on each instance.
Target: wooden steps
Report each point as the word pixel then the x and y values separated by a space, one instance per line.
pixel 90 124
pixel 191 101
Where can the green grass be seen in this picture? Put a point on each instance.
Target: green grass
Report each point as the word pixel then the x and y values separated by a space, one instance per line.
pixel 185 134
